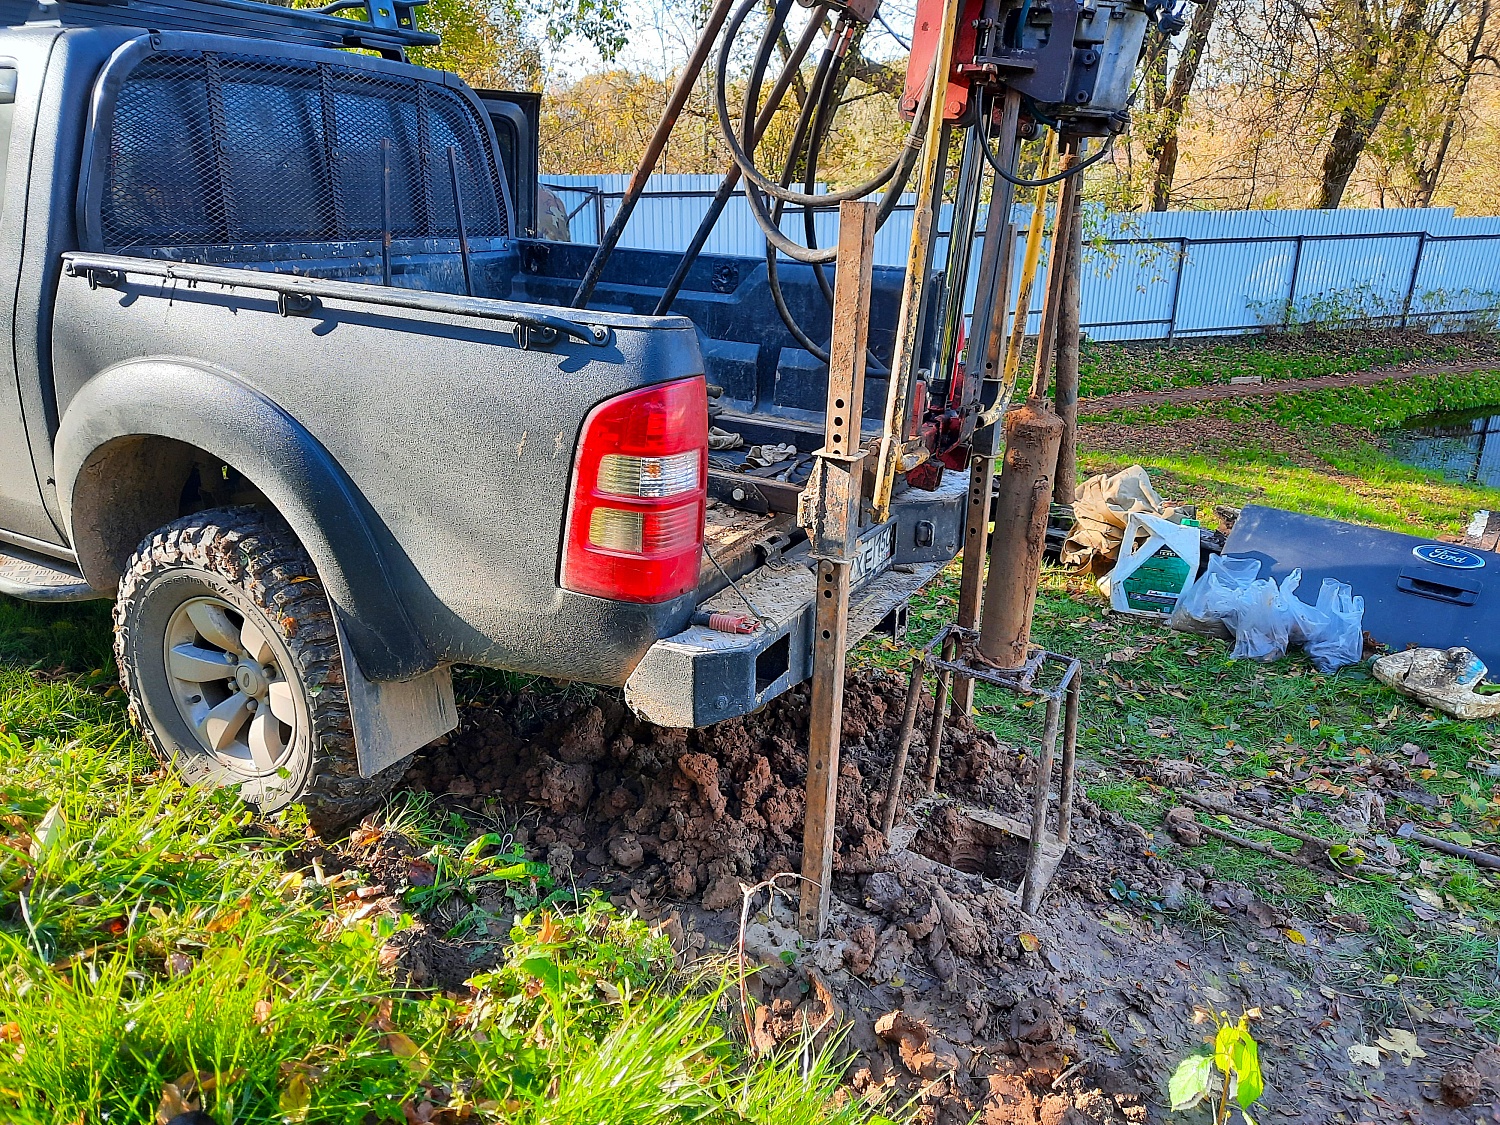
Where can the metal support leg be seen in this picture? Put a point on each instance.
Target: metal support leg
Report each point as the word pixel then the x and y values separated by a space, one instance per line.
pixel 831 626
pixel 1031 887
pixel 976 549
pixel 1069 763
pixel 939 717
pixel 903 745
pixel 831 513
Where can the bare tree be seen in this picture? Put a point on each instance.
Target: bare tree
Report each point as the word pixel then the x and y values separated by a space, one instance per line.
pixel 1172 102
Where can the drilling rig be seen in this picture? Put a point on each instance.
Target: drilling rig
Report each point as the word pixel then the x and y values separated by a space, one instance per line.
pixel 983 77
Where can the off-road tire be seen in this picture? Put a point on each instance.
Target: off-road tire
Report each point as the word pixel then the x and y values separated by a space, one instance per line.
pixel 251 561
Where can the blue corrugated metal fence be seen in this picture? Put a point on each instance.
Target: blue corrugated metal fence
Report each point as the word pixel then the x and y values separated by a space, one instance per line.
pixel 1161 274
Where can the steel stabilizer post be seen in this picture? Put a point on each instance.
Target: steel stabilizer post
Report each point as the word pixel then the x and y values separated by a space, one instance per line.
pixel 830 511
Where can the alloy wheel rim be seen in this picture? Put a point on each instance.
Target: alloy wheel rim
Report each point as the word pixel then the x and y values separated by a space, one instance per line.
pixel 228 680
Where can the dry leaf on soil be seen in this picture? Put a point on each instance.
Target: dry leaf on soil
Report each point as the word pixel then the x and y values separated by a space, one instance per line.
pixel 1362 1055
pixel 296 1098
pixel 1398 1041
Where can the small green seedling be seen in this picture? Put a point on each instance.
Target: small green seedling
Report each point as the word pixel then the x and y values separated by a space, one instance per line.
pixel 1235 1056
pixel 462 872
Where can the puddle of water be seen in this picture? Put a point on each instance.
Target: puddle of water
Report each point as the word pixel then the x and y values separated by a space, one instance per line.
pixel 1462 445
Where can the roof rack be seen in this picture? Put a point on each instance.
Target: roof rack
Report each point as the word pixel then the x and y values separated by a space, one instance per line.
pixel 386 26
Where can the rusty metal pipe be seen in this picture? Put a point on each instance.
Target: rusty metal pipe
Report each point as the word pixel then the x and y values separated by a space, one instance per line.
pixel 939 718
pixel 903 745
pixel 1056 272
pixel 1031 889
pixel 680 94
pixel 1032 435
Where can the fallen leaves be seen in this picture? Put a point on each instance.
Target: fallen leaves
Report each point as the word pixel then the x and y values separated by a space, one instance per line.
pixel 48 835
pixel 186 1094
pixel 1396 1042
pixel 1324 786
pixel 227 920
pixel 399 1043
pixel 296 1098
pixel 1399 1041
pixel 179 964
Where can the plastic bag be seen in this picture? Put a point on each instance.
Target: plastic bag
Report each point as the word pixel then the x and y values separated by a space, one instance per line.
pixel 1441 678
pixel 1333 632
pixel 1265 618
pixel 1261 615
pixel 1224 573
pixel 1162 555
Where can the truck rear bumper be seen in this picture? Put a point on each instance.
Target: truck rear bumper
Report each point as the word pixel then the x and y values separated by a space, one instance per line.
pixel 702 676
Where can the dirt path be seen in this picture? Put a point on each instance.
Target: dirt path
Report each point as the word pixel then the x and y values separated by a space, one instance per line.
pixel 1216 391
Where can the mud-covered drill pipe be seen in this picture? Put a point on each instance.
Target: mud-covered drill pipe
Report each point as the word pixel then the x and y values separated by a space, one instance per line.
pixel 1032 436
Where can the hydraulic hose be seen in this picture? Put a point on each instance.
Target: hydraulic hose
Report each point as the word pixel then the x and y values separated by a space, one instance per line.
pixel 823 81
pixel 747 164
pixel 732 175
pixel 906 161
pixel 1045 181
pixel 821 121
pixel 902 165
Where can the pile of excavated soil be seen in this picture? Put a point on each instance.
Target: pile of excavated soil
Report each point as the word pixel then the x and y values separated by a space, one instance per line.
pixel 690 815
pixel 951 994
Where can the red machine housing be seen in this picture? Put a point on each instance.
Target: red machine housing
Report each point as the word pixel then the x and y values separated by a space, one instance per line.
pixel 924 44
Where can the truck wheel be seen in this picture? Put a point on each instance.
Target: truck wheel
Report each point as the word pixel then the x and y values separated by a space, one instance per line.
pixel 230 661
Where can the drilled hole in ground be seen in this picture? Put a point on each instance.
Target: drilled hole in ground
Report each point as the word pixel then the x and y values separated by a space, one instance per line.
pixel 956 840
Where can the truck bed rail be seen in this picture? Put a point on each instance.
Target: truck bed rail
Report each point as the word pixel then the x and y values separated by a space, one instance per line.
pixel 298 295
pixel 389 26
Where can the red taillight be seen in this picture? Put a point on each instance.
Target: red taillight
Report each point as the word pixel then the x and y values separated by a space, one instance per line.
pixel 640 485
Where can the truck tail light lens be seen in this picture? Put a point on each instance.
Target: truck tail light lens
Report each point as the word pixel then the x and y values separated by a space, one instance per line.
pixel 640 487
pixel 657 477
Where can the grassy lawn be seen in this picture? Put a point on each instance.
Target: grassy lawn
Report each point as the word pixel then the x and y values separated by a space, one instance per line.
pixel 1113 368
pixel 161 953
pixel 1318 451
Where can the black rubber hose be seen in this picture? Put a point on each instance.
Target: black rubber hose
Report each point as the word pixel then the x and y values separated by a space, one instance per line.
pixel 903 165
pixel 1046 181
pixel 906 161
pixel 732 177
pixel 821 122
pixel 758 69
pixel 823 80
pixel 747 164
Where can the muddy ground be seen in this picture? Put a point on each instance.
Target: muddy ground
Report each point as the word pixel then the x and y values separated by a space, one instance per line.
pixel 952 994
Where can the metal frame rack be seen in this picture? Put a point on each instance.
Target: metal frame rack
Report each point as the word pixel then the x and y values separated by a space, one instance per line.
pixel 387 26
pixel 955 652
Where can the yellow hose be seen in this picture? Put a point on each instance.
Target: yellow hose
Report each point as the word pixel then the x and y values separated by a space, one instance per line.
pixel 1033 258
pixel 893 436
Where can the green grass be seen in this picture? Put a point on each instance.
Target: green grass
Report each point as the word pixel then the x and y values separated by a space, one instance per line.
pixel 158 950
pixel 1368 488
pixel 1151 694
pixel 1372 408
pixel 1318 452
pixel 1114 368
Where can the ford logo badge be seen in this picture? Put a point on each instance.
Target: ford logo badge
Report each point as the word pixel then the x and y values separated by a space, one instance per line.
pixel 1442 554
